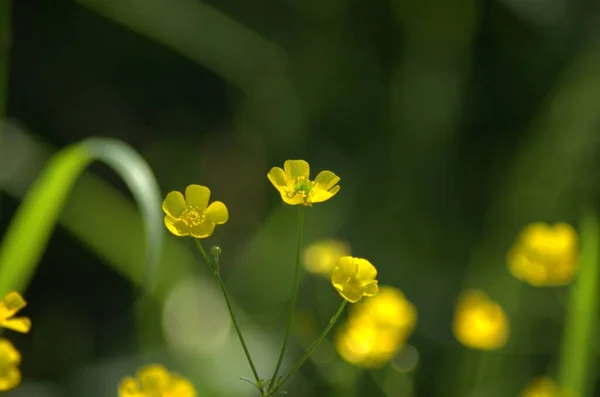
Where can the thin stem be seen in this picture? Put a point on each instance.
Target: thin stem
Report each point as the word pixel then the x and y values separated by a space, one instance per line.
pixel 312 348
pixel 215 269
pixel 286 336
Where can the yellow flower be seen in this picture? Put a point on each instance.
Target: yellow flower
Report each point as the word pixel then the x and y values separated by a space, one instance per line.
pixel 544 255
pixel 9 306
pixel 192 216
pixel 321 256
pixel 354 278
pixel 296 188
pixel 544 386
pixel 366 346
pixel 10 358
pixel 388 309
pixel 155 381
pixel 479 322
pixel 376 329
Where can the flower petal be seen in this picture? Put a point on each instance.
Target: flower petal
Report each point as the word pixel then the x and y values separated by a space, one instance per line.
pixel 203 230
pixel 10 378
pixel 217 213
pixel 371 288
pixel 346 266
pixel 8 353
pixel 174 204
pixel 129 388
pixel 366 271
pixel 181 387
pixel 154 378
pixel 197 196
pixel 326 180
pixel 19 324
pixel 278 178
pixel 296 168
pixel 176 226
pixel 11 304
pixel 319 195
pixel 294 200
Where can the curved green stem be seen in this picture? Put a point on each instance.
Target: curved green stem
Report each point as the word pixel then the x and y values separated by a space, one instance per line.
pixel 286 336
pixel 214 267
pixel 312 348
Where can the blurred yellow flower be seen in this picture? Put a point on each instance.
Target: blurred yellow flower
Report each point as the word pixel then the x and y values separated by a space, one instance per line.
pixel 479 322
pixel 321 256
pixel 544 255
pixel 388 309
pixel 155 380
pixel 376 329
pixel 354 278
pixel 10 358
pixel 544 386
pixel 9 306
pixel 191 215
pixel 296 188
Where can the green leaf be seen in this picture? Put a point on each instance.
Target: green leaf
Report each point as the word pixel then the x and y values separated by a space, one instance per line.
pixel 34 221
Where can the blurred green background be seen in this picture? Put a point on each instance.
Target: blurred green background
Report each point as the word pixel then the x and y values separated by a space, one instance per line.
pixel 452 124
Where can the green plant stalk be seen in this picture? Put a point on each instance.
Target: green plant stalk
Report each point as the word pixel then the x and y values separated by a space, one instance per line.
pixel 575 370
pixel 288 328
pixel 214 267
pixel 312 348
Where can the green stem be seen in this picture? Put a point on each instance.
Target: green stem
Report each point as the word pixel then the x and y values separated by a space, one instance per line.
pixel 312 348
pixel 214 267
pixel 575 371
pixel 286 336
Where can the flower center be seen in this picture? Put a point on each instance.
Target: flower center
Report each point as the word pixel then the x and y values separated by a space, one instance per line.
pixel 193 216
pixel 302 186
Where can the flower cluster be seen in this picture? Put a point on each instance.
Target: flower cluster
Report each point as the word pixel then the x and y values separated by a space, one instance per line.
pixel 10 358
pixel 376 329
pixel 479 322
pixel 155 380
pixel 544 255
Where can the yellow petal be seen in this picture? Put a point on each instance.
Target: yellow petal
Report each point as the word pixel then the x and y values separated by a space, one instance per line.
pixel 176 226
pixel 180 388
pixel 9 378
pixel 174 204
pixel 294 200
pixel 197 196
pixel 326 180
pixel 278 178
pixel 203 230
pixel 296 168
pixel 351 295
pixel 129 388
pixel 371 288
pixel 217 213
pixel 318 195
pixel 11 304
pixel 8 354
pixel 19 324
pixel 366 271
pixel 154 377
pixel 346 267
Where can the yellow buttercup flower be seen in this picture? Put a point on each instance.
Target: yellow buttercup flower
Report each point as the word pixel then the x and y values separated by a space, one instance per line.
pixel 545 255
pixel 191 215
pixel 376 329
pixel 9 306
pixel 367 346
pixel 388 309
pixel 354 278
pixel 296 188
pixel 479 322
pixel 155 380
pixel 10 358
pixel 321 256
pixel 544 386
